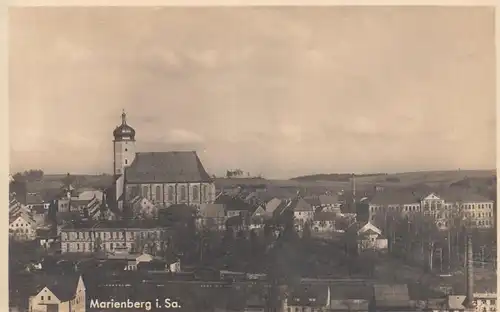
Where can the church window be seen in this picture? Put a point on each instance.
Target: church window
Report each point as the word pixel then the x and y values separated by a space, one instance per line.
pixel 195 192
pixel 126 161
pixel 126 150
pixel 145 191
pixel 183 192
pixel 170 193
pixel 158 193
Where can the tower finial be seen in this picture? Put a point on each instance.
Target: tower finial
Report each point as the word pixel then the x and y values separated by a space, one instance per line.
pixel 124 117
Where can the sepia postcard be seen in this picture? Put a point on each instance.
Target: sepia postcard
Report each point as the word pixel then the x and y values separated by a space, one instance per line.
pixel 274 159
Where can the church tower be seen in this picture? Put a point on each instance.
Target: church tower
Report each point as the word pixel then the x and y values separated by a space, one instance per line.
pixel 123 155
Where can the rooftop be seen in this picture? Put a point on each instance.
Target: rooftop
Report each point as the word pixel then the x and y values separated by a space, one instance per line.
pixel 114 224
pixel 166 167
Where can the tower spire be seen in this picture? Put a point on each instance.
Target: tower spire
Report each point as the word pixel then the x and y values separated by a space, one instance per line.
pixel 124 117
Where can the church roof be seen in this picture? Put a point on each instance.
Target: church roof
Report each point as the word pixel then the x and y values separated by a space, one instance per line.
pixel 166 167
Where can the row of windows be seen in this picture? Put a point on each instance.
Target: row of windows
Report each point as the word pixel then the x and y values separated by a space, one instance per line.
pixel 21 225
pixel 406 208
pixel 171 192
pixel 483 223
pixel 112 235
pixel 86 247
pixel 438 205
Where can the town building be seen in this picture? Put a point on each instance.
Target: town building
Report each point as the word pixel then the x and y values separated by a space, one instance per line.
pixel 22 226
pixel 164 178
pixel 142 208
pixel 444 207
pixel 108 235
pixel 62 293
pixel 212 216
pixel 324 221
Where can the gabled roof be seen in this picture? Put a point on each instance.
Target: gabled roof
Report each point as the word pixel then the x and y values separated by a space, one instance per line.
pixel 272 205
pixel 325 216
pixel 453 195
pixel 351 291
pixel 391 295
pixel 299 204
pixel 33 199
pixel 62 286
pixel 166 167
pixel 232 203
pixel 369 227
pixel 394 198
pixel 326 200
pixel 312 200
pixel 24 216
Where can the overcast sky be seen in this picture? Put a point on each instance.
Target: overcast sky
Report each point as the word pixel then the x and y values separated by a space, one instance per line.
pixel 276 91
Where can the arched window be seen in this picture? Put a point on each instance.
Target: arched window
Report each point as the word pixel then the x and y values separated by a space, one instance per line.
pixel 196 192
pixel 145 191
pixel 170 193
pixel 183 192
pixel 158 193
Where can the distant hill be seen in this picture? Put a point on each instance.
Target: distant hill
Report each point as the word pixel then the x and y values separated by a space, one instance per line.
pixel 341 177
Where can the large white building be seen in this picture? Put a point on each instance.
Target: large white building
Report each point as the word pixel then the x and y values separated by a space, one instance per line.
pixel 445 206
pixel 164 178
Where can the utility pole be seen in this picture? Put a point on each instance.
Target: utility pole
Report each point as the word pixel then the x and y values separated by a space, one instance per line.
pixel 482 255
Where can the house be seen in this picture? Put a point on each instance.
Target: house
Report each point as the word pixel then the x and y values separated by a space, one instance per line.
pixel 46 237
pixel 22 226
pixel 324 221
pixel 367 236
pixel 302 211
pixel 212 216
pixel 142 208
pixel 350 297
pixel 59 293
pixel 392 298
pixel 132 259
pixel 235 206
pixel 39 214
pixel 325 202
pixel 485 301
pixel 35 199
pixel 93 209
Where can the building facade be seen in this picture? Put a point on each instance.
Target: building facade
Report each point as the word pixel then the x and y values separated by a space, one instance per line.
pixel 22 227
pixel 445 207
pixel 164 178
pixel 109 236
pixel 67 294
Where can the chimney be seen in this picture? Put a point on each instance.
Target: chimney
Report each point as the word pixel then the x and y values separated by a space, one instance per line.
pixel 469 303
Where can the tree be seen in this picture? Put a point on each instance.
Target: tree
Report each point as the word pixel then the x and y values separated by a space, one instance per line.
pixel 68 179
pixel 306 234
pixel 28 175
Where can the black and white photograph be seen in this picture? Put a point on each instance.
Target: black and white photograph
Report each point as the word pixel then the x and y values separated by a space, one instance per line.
pixel 252 159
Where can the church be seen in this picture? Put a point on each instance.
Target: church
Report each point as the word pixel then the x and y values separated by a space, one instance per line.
pixel 164 178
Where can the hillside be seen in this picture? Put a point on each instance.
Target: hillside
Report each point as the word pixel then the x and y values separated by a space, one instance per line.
pixel 407 178
pixel 340 177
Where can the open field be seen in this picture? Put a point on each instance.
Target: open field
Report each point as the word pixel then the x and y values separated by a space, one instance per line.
pixel 430 178
pixel 480 178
